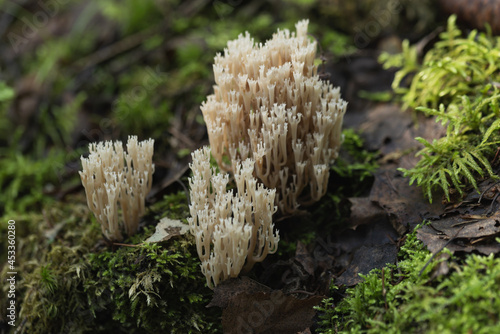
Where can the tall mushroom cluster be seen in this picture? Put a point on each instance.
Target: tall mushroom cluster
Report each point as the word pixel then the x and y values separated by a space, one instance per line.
pixel 233 231
pixel 275 126
pixel 114 179
pixel 270 105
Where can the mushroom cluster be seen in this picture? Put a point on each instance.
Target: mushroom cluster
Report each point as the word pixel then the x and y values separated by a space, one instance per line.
pixel 270 105
pixel 116 179
pixel 233 231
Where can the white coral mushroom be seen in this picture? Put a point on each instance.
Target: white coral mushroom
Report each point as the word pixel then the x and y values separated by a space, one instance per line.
pixel 269 105
pixel 233 231
pixel 113 178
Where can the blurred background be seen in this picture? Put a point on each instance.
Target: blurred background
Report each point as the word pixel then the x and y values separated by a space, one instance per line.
pixel 75 72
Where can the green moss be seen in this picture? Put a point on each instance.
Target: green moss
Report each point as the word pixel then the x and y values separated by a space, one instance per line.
pixel 70 282
pixel 453 67
pixel 150 288
pixel 140 109
pixel 24 180
pixel 403 301
pixel 456 82
pixel 464 154
pixel 6 92
pixel 355 162
pixel 131 14
pixel 336 43
pixel 174 205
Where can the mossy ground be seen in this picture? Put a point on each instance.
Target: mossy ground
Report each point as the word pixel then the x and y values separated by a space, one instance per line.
pixel 71 282
pixel 406 298
pixel 410 296
pixel 456 82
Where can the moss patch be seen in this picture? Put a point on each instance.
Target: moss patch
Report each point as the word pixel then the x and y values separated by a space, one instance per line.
pixel 397 299
pixel 69 282
pixel 457 82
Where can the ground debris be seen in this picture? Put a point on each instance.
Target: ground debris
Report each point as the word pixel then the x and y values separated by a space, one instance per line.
pixel 378 255
pixel 463 233
pixel 168 228
pixel 405 205
pixel 250 307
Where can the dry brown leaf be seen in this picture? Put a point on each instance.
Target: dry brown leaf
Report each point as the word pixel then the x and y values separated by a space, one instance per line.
pixel 465 235
pixel 271 313
pixel 405 205
pixel 365 259
pixel 364 211
pixel 250 307
pixel 305 259
pixel 230 288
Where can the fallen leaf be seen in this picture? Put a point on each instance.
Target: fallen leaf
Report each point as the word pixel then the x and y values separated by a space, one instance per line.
pixel 459 234
pixel 305 259
pixel 168 228
pixel 251 307
pixel 52 233
pixel 365 259
pixel 364 211
pixel 230 288
pixel 272 313
pixel 385 128
pixel 306 331
pixel 405 205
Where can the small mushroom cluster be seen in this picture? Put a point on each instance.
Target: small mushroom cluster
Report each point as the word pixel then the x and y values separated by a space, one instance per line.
pixel 116 179
pixel 232 231
pixel 270 105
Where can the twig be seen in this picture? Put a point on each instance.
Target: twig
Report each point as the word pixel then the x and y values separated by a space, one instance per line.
pixel 490 209
pixel 465 222
pixel 117 48
pixel 387 180
pixel 127 245
pixel 384 291
pixel 424 41
pixel 439 251
pixel 186 191
pixel 303 292
pixel 487 189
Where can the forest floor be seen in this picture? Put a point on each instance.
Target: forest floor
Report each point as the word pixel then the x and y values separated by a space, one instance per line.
pixel 81 72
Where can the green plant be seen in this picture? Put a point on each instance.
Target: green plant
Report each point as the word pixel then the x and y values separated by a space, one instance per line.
pixel 153 288
pixel 139 109
pixel 355 162
pixel 453 67
pixel 472 138
pixel 25 180
pixel 131 14
pixel 6 96
pixel 398 299
pixel 457 83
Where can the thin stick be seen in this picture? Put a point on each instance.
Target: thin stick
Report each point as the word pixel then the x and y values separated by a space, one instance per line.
pixel 439 251
pixel 487 189
pixel 127 245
